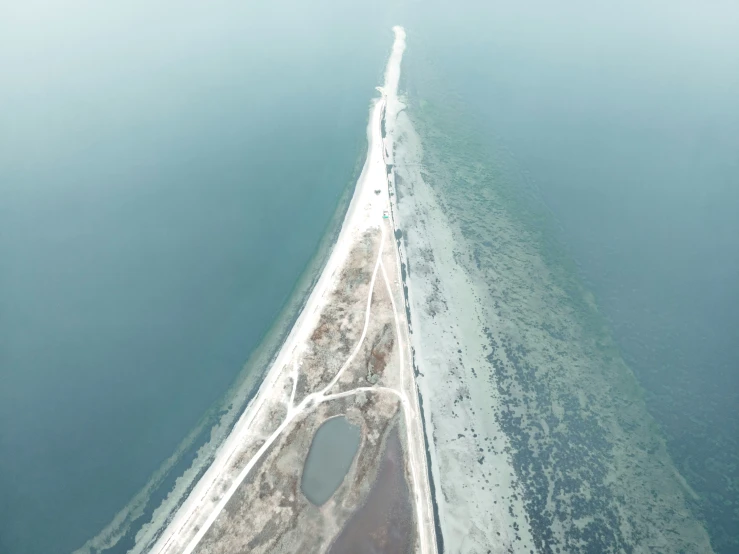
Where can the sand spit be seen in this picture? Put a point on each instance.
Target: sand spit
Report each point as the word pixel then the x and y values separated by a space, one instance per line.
pixel 348 353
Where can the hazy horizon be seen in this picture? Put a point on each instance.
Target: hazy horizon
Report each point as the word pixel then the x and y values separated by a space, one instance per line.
pixel 167 173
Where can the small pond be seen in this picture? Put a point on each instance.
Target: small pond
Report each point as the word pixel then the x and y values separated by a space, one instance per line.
pixel 330 456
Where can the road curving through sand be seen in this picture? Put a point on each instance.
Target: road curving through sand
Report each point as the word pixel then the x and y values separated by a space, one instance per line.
pixel 367 212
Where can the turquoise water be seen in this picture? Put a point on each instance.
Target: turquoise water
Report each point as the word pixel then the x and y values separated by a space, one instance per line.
pixel 166 173
pixel 622 123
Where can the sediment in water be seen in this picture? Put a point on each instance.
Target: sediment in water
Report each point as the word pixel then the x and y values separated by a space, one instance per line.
pixel 540 438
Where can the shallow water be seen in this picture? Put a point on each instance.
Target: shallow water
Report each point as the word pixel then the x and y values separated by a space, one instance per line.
pixel 162 196
pixel 617 157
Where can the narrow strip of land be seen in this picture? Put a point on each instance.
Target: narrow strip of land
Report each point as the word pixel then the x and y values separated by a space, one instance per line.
pixel 308 403
pixel 327 335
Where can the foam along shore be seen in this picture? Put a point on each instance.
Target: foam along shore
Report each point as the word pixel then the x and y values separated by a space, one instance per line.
pixel 236 456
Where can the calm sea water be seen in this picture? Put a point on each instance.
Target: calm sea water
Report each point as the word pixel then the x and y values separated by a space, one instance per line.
pixel 166 174
pixel 625 121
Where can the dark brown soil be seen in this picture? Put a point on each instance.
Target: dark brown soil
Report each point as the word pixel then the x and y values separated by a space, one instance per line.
pixel 384 524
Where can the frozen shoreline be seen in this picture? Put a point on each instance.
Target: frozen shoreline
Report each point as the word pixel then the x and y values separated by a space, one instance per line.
pixel 537 435
pixel 478 500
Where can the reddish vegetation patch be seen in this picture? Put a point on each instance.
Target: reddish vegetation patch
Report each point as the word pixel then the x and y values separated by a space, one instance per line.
pixel 319 331
pixel 385 522
pixel 382 346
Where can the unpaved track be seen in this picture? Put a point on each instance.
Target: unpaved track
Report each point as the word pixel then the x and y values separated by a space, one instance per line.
pixel 409 402
pixel 316 398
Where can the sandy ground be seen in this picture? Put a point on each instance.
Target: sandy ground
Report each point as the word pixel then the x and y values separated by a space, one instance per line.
pixel 293 388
